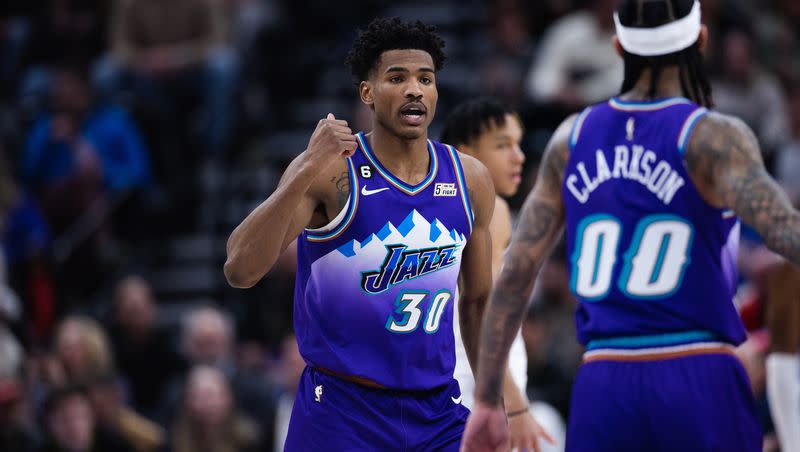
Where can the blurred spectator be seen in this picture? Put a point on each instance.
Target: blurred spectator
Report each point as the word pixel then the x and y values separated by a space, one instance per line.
pixel 25 241
pixel 508 59
pixel 142 349
pixel 82 348
pixel 165 51
pixel 787 165
pixel 208 339
pixel 778 38
pixel 209 421
pixel 576 63
pixel 290 368
pixel 106 396
pixel 71 425
pixel 17 432
pixel 745 90
pixel 83 160
pixel 82 137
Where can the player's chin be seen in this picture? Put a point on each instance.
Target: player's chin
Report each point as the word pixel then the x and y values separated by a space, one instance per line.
pixel 410 132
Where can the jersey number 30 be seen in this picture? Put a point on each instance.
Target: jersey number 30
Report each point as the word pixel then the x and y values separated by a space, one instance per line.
pixel 653 265
pixel 408 307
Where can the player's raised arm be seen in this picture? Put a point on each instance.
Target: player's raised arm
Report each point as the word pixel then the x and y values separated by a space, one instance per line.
pixel 725 161
pixel 476 268
pixel 256 243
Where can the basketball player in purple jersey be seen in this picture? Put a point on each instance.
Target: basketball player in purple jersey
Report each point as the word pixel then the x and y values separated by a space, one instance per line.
pixel 648 186
pixel 386 223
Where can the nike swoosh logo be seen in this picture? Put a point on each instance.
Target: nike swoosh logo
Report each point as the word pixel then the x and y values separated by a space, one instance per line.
pixel 366 192
pixel 457 400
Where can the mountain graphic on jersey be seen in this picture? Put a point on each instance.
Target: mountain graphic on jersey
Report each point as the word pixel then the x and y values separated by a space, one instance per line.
pixel 395 254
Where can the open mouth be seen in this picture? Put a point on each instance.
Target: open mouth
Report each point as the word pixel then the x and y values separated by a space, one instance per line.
pixel 413 114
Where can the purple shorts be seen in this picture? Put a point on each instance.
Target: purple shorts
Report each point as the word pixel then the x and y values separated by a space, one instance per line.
pixel 700 403
pixel 331 414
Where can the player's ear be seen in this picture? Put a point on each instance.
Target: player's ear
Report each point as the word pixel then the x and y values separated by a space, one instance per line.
pixel 617 46
pixel 365 91
pixel 702 39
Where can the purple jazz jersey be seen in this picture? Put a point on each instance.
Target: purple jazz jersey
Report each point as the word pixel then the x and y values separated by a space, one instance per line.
pixel 374 291
pixel 648 255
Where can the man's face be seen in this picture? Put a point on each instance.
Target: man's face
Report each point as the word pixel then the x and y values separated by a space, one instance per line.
pixel 498 149
pixel 402 92
pixel 72 423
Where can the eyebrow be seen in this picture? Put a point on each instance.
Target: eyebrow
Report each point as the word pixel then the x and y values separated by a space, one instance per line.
pixel 402 69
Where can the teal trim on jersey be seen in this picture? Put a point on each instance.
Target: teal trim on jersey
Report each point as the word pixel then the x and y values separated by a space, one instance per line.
pixel 597 257
pixel 652 340
pixel 577 126
pixel 624 105
pixel 351 210
pixel 633 250
pixel 688 125
pixel 402 186
pixel 576 254
pixel 441 309
pixel 662 251
pixel 462 186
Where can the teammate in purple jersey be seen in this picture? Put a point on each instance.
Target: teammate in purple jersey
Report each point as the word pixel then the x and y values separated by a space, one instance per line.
pixel 386 224
pixel 643 185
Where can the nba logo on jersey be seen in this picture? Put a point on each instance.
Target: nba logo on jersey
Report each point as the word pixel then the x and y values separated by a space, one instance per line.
pixel 318 394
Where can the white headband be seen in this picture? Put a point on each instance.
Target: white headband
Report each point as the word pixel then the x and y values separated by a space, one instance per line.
pixel 661 40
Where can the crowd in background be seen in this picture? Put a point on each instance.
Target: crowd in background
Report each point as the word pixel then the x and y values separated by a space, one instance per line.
pixel 135 131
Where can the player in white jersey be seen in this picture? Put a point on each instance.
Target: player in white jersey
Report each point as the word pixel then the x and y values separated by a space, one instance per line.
pixel 783 361
pixel 491 132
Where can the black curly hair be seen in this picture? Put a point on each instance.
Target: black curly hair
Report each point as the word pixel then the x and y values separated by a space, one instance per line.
pixel 469 119
pixel 390 34
pixel 648 14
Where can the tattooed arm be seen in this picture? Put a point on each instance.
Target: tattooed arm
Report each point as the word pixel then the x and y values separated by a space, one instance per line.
pixel 539 227
pixel 301 200
pixel 476 269
pixel 725 163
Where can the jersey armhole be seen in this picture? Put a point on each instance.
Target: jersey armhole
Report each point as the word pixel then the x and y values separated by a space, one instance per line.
pixel 462 185
pixel 335 228
pixel 688 126
pixel 577 126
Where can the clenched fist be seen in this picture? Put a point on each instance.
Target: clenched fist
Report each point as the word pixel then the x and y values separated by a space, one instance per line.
pixel 331 139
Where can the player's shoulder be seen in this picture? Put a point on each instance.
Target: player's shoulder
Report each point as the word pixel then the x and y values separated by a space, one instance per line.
pixel 474 170
pixel 719 132
pixel 564 132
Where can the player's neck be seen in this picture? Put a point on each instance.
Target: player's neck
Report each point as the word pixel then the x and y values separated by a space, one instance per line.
pixel 407 159
pixel 669 85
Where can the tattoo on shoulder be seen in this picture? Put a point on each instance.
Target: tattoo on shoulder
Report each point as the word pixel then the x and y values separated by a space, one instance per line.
pixel 726 156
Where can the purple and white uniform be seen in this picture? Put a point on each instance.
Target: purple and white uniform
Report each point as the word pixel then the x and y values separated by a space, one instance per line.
pixel 654 268
pixel 374 299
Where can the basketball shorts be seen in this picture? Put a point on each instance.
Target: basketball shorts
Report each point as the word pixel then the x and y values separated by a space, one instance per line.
pixel 695 402
pixel 332 414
